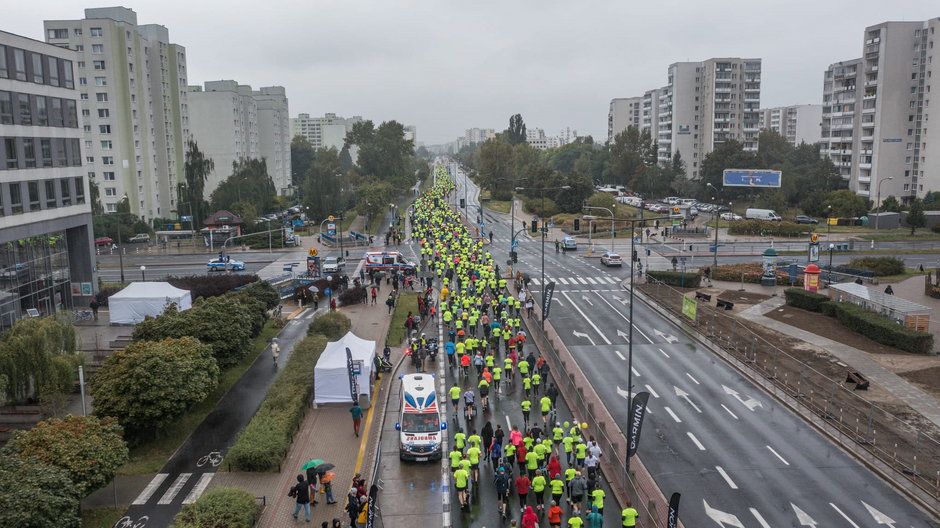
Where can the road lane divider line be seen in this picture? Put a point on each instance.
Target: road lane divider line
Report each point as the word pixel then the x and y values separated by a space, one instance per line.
pixel 635 372
pixel 846 517
pixel 725 476
pixel 651 391
pixel 776 454
pixel 760 518
pixel 693 379
pixel 620 355
pixel 596 329
pixel 150 489
pixel 624 317
pixel 174 488
pixel 735 416
pixel 664 353
pixel 695 441
pixel 674 417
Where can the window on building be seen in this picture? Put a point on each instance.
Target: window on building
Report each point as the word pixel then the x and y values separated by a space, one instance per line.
pixel 66 192
pixel 71 113
pixel 110 191
pixel 42 113
pixel 106 144
pixel 67 74
pixel 57 33
pixel 89 159
pixel 107 176
pixel 101 81
pixel 96 32
pixel 82 81
pixel 104 129
pixel 98 64
pixel 107 160
pixel 45 149
pixel 16 198
pixel 79 190
pixel 79 47
pixel 86 112
pixel 33 190
pixel 907 159
pixel 910 146
pixel 37 69
pixel 4 72
pixel 53 71
pixel 907 186
pixel 56 117
pixel 9 146
pixel 83 96
pixel 103 112
pixel 61 156
pixel 25 110
pixel 97 49
pixel 50 194
pixel 111 208
pixel 29 152
pixel 101 97
pixel 6 108
pixel 19 64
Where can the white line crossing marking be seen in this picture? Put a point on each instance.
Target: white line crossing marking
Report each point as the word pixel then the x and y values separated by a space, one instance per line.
pixel 592 281
pixel 664 353
pixel 562 281
pixel 759 518
pixel 778 455
pixel 535 282
pixel 729 411
pixel 199 488
pixel 150 489
pixel 695 441
pixel 635 373
pixel 693 379
pixel 726 477
pixel 674 417
pixel 174 488
pixel 610 279
pixel 581 280
pixel 650 389
pixel 620 355
pixel 844 515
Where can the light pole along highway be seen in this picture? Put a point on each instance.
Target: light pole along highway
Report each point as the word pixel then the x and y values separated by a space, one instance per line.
pixel 542 228
pixel 612 232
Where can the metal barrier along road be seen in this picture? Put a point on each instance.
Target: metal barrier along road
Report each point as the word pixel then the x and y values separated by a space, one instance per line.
pixel 861 426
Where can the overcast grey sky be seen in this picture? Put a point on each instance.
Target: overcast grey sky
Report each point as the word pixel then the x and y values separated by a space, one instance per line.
pixel 447 66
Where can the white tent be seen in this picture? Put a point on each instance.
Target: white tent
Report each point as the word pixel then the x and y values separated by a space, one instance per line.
pixel 331 373
pixel 140 299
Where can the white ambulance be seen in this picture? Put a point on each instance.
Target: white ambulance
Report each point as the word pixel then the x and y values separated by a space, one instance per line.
pixel 419 424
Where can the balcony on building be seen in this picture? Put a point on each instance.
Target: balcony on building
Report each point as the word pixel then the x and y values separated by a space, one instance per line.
pixel 866 166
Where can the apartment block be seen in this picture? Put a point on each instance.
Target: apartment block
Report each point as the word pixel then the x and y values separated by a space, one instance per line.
pixel 625 112
pixel 231 122
pixel 132 84
pixel 537 138
pixel 46 238
pixel 797 123
pixel 479 135
pixel 649 118
pixel 876 109
pixel 323 132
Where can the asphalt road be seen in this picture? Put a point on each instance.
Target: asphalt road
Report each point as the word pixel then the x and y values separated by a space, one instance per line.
pixel 738 460
pixel 161 266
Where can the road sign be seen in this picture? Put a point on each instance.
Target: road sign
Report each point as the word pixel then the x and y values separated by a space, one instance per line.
pixel 814 238
pixel 186 219
pixel 312 252
pixel 714 247
pixel 330 218
pixel 751 178
pixel 675 209
pixel 327 291
pixel 814 252
pixel 331 229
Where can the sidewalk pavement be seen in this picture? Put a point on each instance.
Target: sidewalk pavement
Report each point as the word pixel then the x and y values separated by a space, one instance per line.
pixel 326 433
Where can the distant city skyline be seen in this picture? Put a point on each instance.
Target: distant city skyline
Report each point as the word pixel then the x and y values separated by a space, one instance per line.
pixel 447 68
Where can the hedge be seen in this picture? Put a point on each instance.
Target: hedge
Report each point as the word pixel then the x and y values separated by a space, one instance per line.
pixel 264 442
pixel 879 328
pixel 767 228
pixel 229 507
pixel 333 325
pixel 676 278
pixel 807 300
pixel 881 266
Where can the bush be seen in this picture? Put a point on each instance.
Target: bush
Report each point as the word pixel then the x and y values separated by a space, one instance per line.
pixel 106 292
pixel 333 325
pixel 264 442
pixel 264 292
pixel 767 228
pixel 210 285
pixel 881 266
pixel 879 328
pixel 676 278
pixel 353 296
pixel 38 359
pixel 807 300
pixel 228 507
pixel 534 206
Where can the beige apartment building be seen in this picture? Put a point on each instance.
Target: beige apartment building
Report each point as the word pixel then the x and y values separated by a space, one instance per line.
pixel 797 123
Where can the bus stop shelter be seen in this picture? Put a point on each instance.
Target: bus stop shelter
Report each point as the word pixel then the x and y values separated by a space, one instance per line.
pixel 908 313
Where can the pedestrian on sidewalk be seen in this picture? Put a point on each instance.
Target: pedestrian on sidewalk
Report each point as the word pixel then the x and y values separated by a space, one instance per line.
pixel 332 305
pixel 94 305
pixel 301 491
pixel 352 507
pixel 275 352
pixel 356 412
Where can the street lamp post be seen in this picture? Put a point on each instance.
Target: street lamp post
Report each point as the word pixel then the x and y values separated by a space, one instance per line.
pixel 829 280
pixel 878 206
pixel 143 275
pixel 611 224
pixel 543 229
pixel 717 218
pixel 512 213
pixel 828 223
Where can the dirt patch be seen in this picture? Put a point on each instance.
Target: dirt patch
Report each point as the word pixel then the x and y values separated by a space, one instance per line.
pixel 925 379
pixel 818 323
pixel 743 297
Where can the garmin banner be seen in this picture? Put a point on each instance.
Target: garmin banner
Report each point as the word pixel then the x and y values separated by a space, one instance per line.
pixel 547 299
pixel 636 422
pixel 373 507
pixel 353 379
pixel 672 515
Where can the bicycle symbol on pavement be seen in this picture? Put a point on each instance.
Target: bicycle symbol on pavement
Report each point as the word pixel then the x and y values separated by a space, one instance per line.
pixel 214 458
pixel 126 522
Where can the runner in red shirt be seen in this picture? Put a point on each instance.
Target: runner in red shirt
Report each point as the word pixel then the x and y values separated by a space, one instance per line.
pixel 522 489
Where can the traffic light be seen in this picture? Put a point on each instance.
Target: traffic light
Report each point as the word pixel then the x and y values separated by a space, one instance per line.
pixel 514 256
pixel 577 224
pixel 636 257
pixel 535 226
pixel 463 203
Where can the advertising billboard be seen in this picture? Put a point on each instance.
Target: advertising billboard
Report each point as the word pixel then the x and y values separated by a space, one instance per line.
pixel 752 178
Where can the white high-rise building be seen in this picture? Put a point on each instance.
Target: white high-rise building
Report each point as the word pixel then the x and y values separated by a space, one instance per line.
pixel 876 109
pixel 132 83
pixel 624 112
pixel 797 123
pixel 231 122
pixel 479 135
pixel 323 132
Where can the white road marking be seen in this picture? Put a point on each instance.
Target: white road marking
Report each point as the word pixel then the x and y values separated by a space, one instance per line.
pixel 199 488
pixel 174 488
pixel 508 424
pixel 879 517
pixel 664 353
pixel 844 515
pixel 695 441
pixel 596 329
pixel 735 416
pixel 725 476
pixel 611 280
pixel 581 280
pixel 624 317
pixel 685 395
pixel 693 379
pixel 150 489
pixel 803 518
pixel 674 417
pixel 591 280
pixel 722 518
pixel 776 454
pixel 759 518
pixel 620 355
pixel 562 281
pixel 535 282
pixel 651 391
pixel 635 373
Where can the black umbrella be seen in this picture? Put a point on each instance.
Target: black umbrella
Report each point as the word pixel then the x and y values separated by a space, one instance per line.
pixel 314 472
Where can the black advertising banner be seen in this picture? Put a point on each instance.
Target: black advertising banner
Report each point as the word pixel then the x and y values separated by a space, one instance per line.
pixel 672 516
pixel 353 380
pixel 370 513
pixel 547 299
pixel 636 422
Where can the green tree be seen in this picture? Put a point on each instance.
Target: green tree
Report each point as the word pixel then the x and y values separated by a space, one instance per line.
pixel 95 198
pixel 932 201
pixel 323 185
pixel 516 133
pixel 302 155
pixel 35 495
pixel 345 160
pixel 727 155
pixel 372 198
pixel 149 383
pixel 890 204
pixel 246 211
pixel 915 216
pixel 495 169
pixel 249 183
pixel 191 194
pixel 601 199
pixel 38 358
pixel 846 204
pixel 383 152
pixel 632 152
pixel 89 449
pixel 580 189
pixel 773 148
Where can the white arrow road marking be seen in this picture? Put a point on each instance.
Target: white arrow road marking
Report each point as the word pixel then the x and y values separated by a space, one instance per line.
pixel 668 337
pixel 750 403
pixel 776 454
pixel 879 517
pixel 621 300
pixel 623 334
pixel 596 329
pixel 725 476
pixel 587 300
pixel 664 353
pixel 695 441
pixel 585 336
pixel 693 379
pixel 622 393
pixel 651 391
pixel 846 517
pixel 685 395
pixel 759 517
pixel 735 416
pixel 620 355
pixel 674 417
pixel 802 517
pixel 723 519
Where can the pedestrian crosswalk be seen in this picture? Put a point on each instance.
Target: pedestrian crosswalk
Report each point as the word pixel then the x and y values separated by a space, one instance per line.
pixel 174 491
pixel 578 281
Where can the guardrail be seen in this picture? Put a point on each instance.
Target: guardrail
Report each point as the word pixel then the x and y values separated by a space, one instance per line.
pixel 905 452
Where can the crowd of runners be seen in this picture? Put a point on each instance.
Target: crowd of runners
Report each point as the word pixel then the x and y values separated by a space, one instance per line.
pixel 542 468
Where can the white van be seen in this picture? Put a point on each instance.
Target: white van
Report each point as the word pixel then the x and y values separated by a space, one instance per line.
pixel 762 214
pixel 419 424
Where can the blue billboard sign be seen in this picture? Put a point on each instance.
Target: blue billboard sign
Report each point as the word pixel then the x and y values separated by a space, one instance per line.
pixel 751 178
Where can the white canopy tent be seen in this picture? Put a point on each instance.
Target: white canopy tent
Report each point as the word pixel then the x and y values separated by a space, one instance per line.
pixel 140 299
pixel 331 373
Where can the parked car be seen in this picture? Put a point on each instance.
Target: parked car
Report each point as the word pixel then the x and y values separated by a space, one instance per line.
pixel 138 238
pixel 332 265
pixel 610 258
pixel 803 219
pixel 226 263
pixel 104 241
pixel 730 216
pixel 762 214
